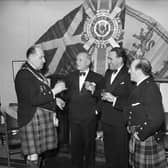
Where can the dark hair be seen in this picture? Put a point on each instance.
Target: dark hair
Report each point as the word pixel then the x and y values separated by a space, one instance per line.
pixel 30 51
pixel 145 66
pixel 120 53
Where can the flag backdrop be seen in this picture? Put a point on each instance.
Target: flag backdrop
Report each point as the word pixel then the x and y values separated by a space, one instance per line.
pixel 143 37
pixel 63 40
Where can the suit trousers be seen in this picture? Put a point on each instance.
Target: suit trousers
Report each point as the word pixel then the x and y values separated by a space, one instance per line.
pixel 115 146
pixel 83 135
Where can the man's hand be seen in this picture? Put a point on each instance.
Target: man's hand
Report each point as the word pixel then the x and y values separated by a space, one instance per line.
pixel 136 136
pixel 60 103
pixel 90 86
pixel 108 97
pixel 59 87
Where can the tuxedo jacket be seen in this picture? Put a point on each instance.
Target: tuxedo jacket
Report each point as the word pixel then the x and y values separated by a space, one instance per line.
pixel 145 109
pixel 82 104
pixel 121 88
pixel 32 92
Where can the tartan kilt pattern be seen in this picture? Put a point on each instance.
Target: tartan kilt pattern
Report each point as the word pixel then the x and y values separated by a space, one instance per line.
pixel 147 154
pixel 40 134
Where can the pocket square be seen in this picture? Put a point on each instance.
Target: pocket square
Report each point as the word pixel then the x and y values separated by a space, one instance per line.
pixel 122 83
pixel 136 104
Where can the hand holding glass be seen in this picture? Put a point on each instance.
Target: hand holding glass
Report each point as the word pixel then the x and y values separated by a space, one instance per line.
pixel 59 87
pixel 107 96
pixel 90 86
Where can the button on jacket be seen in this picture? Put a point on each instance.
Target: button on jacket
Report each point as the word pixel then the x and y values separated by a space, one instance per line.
pixel 145 109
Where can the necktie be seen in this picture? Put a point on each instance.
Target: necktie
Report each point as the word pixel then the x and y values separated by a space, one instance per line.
pixel 82 73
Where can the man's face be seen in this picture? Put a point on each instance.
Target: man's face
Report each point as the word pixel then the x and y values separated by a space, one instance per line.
pixel 38 59
pixel 82 61
pixel 133 71
pixel 114 62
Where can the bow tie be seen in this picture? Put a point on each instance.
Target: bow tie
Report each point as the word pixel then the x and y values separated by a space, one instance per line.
pixel 114 71
pixel 82 73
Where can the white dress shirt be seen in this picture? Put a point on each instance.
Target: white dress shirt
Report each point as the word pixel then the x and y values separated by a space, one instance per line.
pixel 113 75
pixel 82 79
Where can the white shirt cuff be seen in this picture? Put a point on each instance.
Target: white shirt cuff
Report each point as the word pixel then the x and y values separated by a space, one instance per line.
pixel 114 101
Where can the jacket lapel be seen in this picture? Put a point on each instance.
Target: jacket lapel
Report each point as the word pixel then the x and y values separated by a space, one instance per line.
pixel 118 78
pixel 76 80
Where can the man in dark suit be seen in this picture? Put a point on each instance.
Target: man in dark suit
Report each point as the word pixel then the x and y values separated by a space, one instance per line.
pixel 84 92
pixel 117 88
pixel 145 118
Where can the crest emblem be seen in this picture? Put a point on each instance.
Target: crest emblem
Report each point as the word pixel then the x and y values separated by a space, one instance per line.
pixel 103 29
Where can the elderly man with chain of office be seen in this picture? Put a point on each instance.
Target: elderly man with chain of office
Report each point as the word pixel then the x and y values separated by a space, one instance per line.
pixel 36 107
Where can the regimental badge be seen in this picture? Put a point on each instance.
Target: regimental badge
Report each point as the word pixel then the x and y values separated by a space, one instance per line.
pixel 103 29
pixel 43 89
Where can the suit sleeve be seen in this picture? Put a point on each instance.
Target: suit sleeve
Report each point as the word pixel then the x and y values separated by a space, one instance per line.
pixel 68 80
pixel 99 86
pixel 154 113
pixel 122 93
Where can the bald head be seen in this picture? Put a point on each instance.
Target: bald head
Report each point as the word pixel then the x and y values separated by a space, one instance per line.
pixel 139 69
pixel 35 57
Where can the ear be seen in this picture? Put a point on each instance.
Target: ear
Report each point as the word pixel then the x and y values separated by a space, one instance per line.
pixel 88 62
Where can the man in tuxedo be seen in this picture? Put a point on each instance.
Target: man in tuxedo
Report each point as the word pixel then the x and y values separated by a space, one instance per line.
pixel 117 88
pixel 83 93
pixel 145 118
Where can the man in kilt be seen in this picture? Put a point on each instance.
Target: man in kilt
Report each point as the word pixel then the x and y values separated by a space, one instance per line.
pixel 145 119
pixel 36 106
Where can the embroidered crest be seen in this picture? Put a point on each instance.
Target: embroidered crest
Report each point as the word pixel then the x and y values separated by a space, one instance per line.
pixel 103 29
pixel 145 42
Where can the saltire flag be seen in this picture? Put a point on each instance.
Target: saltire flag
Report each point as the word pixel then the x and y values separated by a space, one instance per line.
pixel 64 40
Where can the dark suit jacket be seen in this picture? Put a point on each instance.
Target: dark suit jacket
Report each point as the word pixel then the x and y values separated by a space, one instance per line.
pixel 146 109
pixel 82 104
pixel 31 93
pixel 121 88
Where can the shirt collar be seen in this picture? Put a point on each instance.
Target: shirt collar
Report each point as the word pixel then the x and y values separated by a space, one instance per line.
pixel 138 83
pixel 120 68
pixel 86 71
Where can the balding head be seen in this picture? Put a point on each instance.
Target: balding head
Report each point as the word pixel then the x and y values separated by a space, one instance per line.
pixel 35 57
pixel 140 68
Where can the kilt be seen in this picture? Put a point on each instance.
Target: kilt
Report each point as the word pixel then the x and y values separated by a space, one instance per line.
pixel 40 134
pixel 147 154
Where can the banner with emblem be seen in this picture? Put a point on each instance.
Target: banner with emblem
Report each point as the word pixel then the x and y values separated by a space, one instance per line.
pixel 98 25
pixel 103 29
pixel 93 25
pixel 145 37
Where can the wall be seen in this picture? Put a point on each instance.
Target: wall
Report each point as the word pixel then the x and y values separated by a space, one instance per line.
pixel 22 22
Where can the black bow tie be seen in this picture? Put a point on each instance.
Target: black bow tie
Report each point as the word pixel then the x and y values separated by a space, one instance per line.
pixel 114 71
pixel 82 73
